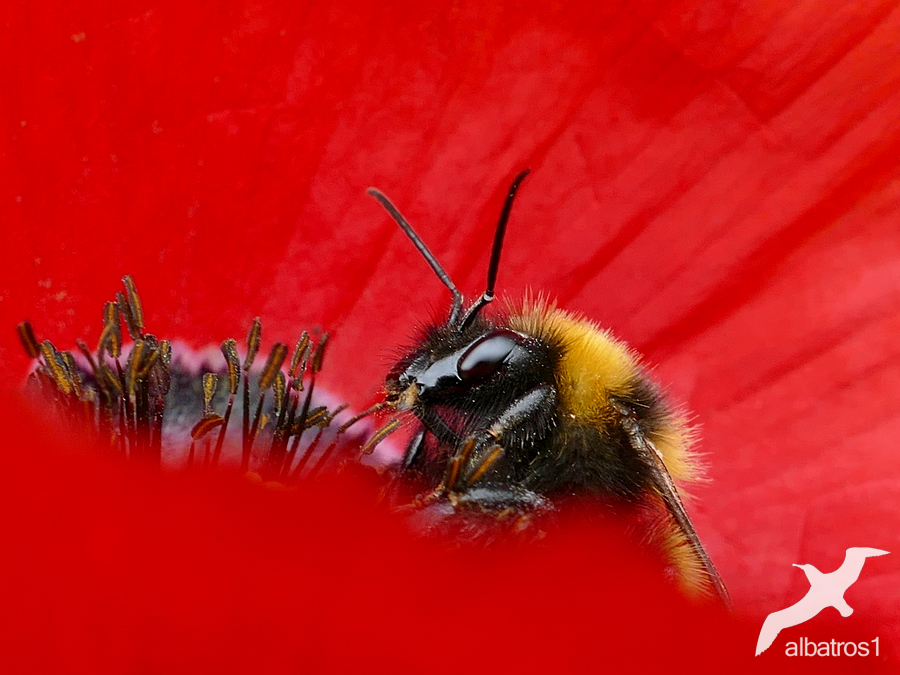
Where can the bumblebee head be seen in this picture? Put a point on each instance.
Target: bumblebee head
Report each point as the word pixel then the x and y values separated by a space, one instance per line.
pixel 462 370
pixel 464 360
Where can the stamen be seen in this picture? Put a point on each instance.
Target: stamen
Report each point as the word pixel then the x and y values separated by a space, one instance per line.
pixel 307 455
pixel 319 354
pixel 127 316
pixel 379 436
pixel 316 416
pixel 135 308
pixel 56 366
pixel 147 364
pixel 323 460
pixel 74 377
pixel 28 340
pixel 273 365
pixel 279 388
pixel 229 351
pixel 109 379
pixel 165 352
pixel 245 428
pixel 86 353
pixel 132 366
pixel 210 383
pixel 207 424
pixel 111 337
pixel 125 401
pixel 456 464
pixel 259 420
pixel 253 340
pixel 301 352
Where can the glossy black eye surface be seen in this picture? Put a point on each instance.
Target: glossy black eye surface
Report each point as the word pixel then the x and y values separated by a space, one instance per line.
pixel 487 354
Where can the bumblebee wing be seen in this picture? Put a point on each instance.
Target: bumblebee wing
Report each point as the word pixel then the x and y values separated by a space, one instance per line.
pixel 667 491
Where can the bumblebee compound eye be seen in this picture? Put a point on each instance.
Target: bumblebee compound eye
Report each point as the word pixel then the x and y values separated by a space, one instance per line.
pixel 487 354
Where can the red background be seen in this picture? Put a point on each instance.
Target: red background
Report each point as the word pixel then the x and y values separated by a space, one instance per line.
pixel 714 181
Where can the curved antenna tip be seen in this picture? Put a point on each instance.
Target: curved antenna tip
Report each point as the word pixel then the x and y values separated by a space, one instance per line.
pixel 494 265
pixel 422 248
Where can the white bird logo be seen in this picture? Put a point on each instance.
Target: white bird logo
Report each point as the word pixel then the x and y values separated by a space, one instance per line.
pixel 825 590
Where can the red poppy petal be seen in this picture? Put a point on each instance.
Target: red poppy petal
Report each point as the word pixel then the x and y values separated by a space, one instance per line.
pixel 115 568
pixel 714 182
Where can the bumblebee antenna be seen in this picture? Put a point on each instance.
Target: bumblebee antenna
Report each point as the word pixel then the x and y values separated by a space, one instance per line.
pixel 494 265
pixel 423 249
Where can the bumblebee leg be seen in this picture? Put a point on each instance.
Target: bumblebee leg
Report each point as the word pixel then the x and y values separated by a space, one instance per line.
pixel 413 450
pixel 369 447
pixel 527 418
pixel 456 464
pixel 524 421
pixel 493 453
pixel 500 500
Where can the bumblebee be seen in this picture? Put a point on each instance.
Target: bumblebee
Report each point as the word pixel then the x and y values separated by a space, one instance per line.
pixel 519 409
